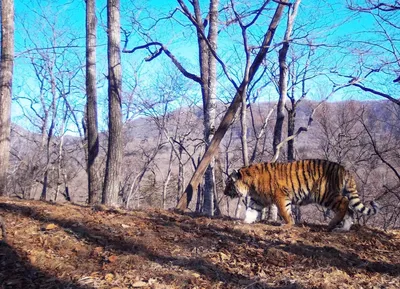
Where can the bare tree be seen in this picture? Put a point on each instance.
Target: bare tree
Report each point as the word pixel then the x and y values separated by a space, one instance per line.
pixel 235 104
pixel 6 76
pixel 283 75
pixel 374 74
pixel 94 190
pixel 207 34
pixel 114 153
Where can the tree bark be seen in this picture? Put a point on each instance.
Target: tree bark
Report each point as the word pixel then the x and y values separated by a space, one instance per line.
pixel 6 76
pixel 114 152
pixel 243 138
pixel 230 114
pixel 94 190
pixel 209 81
pixel 283 81
pixel 283 76
pixel 280 110
pixel 290 131
pixel 181 174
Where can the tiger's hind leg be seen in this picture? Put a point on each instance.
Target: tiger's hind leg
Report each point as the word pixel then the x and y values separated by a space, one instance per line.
pixel 347 222
pixel 285 210
pixel 340 206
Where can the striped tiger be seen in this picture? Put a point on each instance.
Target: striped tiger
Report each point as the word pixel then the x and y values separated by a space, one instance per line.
pixel 300 182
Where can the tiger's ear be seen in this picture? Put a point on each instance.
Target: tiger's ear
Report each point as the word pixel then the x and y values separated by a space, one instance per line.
pixel 235 175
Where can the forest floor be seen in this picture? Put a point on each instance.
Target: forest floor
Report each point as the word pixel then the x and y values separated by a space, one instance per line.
pixel 71 246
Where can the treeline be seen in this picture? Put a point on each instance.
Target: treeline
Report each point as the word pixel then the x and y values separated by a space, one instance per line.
pixel 154 166
pixel 157 110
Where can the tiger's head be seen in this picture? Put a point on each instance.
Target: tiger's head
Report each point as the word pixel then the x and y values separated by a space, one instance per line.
pixel 235 187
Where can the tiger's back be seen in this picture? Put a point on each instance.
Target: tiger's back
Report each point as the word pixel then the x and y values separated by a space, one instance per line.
pixel 301 182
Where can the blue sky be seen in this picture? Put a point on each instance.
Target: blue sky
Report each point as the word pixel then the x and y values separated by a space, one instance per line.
pixel 331 21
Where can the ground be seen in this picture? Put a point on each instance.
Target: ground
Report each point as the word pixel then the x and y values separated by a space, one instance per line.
pixel 71 246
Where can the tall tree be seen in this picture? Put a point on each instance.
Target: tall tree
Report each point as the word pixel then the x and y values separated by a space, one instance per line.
pixel 283 76
pixel 207 34
pixel 209 82
pixel 232 109
pixel 6 75
pixel 114 152
pixel 283 89
pixel 91 103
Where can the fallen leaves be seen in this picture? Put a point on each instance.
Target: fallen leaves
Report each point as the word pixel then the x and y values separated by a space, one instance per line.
pixel 139 284
pixel 109 277
pixel 73 246
pixel 50 227
pixel 113 258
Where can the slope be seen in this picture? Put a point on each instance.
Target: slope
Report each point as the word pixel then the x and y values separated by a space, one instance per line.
pixel 70 246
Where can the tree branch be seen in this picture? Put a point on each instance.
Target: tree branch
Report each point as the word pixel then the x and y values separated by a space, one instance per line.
pixel 164 49
pixel 387 96
pixel 303 129
pixel 374 146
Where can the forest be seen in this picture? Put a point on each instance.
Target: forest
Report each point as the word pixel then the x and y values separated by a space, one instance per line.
pixel 140 104
pixel 120 122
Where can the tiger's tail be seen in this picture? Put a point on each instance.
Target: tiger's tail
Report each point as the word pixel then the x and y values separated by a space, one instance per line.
pixel 355 202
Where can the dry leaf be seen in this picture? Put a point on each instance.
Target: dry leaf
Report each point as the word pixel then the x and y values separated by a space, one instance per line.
pixel 196 275
pixel 112 258
pixel 98 250
pixel 109 277
pixel 50 227
pixel 223 256
pixel 139 284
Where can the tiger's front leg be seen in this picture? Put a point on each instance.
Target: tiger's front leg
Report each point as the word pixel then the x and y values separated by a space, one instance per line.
pixel 252 215
pixel 253 211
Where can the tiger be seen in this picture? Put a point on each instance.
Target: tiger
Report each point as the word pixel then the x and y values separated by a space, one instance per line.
pixel 299 182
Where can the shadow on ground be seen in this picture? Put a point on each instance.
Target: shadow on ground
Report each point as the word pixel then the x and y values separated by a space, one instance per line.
pixel 225 237
pixel 18 273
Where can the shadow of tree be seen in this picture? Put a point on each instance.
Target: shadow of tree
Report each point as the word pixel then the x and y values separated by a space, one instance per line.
pixel 322 256
pixel 17 273
pixel 349 262
pixel 102 235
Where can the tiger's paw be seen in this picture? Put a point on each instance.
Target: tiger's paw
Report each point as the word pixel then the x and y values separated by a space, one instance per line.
pixel 340 230
pixel 251 216
pixel 286 226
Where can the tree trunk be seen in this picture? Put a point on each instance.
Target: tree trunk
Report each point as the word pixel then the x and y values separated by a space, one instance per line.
pixel 283 84
pixel 6 75
pixel 166 180
pixel 94 188
pixel 43 195
pixel 243 122
pixel 180 175
pixel 283 76
pixel 209 80
pixel 290 131
pixel 60 158
pixel 230 113
pixel 280 110
pixel 114 152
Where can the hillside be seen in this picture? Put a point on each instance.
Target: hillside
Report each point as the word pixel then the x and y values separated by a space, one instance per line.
pixel 70 246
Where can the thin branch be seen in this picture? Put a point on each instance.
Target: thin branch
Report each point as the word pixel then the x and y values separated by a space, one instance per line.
pixel 374 146
pixel 303 129
pixel 164 49
pixel 367 89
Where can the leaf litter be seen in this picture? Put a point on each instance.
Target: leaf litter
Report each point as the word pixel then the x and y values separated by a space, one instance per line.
pixel 71 246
